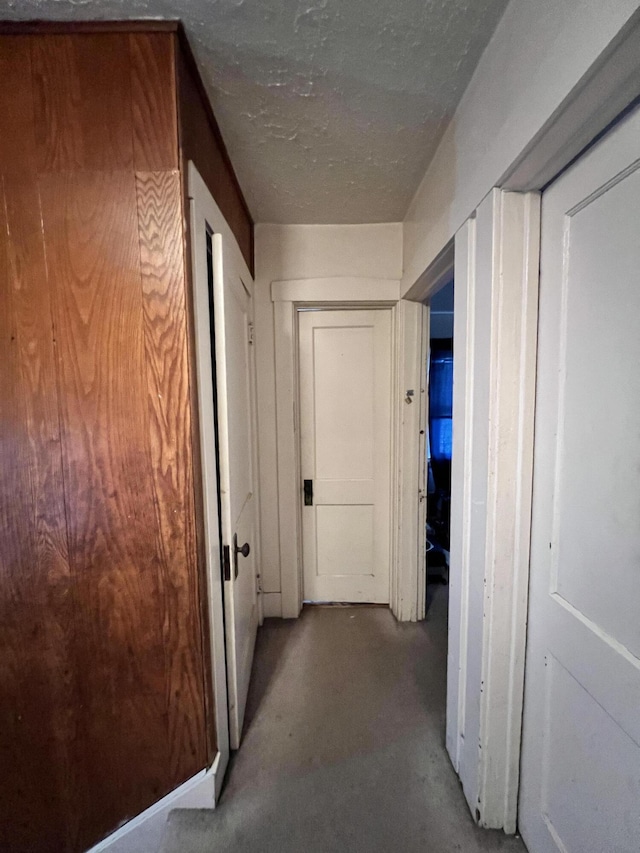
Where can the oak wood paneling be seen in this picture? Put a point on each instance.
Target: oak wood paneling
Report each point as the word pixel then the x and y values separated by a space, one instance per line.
pixel 36 606
pixel 103 669
pixel 37 678
pixel 91 236
pixel 153 89
pixel 201 141
pixel 165 328
pixel 82 86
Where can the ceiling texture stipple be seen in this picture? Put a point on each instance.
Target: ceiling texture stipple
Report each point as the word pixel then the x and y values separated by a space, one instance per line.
pixel 331 109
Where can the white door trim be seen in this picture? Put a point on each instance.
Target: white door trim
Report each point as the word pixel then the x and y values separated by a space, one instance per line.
pixel 338 290
pixel 145 831
pixel 438 273
pixel 495 332
pixel 287 297
pixel 605 91
pixel 408 593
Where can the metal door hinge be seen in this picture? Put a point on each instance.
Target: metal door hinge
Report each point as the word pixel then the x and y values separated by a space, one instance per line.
pixel 250 329
pixel 226 562
pixel 258 585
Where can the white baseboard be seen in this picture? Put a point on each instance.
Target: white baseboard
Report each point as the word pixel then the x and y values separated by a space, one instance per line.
pixel 272 604
pixel 143 834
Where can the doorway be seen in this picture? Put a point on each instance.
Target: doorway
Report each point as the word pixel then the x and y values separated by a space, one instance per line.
pixel 439 435
pixel 348 294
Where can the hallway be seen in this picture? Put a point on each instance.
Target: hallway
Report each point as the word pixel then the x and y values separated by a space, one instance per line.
pixel 343 744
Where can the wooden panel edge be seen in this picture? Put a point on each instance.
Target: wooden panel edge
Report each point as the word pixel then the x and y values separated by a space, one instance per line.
pixel 192 67
pixel 43 27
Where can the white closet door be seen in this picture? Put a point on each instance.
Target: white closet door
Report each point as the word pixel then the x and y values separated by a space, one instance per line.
pixel 581 748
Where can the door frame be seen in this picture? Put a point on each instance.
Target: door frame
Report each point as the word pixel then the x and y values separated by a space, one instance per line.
pixel 333 293
pixel 495 246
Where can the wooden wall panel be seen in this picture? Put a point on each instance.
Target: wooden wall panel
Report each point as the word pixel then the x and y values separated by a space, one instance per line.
pixel 201 141
pixel 103 705
pixel 90 225
pixel 155 117
pixel 36 608
pixel 170 417
pixel 82 86
pixel 38 683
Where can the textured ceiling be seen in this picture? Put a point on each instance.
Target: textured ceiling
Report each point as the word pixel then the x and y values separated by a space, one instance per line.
pixel 331 109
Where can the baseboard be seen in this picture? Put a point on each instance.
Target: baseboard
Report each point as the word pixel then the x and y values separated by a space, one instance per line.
pixel 272 604
pixel 143 834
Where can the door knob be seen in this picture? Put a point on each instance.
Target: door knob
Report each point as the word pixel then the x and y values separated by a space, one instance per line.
pixel 245 550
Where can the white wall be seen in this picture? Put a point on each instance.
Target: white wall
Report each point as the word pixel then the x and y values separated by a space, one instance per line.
pixel 539 52
pixel 285 252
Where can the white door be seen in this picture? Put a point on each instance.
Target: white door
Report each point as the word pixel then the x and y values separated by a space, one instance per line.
pixel 581 739
pixel 345 429
pixel 222 280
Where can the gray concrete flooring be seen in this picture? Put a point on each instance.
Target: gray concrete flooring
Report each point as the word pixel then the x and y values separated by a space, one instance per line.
pixel 343 747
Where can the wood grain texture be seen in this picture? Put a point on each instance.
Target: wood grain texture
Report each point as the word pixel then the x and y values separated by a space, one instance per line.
pixel 201 141
pixel 38 688
pixel 102 661
pixel 36 610
pixel 169 402
pixel 90 224
pixel 153 95
pixel 82 86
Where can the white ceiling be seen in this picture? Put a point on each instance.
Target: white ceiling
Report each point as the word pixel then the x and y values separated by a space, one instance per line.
pixel 331 109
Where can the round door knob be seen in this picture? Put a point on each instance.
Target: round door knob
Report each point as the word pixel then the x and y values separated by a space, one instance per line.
pixel 245 550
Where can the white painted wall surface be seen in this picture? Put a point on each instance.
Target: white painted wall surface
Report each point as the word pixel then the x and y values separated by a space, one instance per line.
pixel 539 52
pixel 285 252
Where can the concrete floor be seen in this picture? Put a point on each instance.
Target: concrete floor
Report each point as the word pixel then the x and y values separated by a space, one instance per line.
pixel 343 746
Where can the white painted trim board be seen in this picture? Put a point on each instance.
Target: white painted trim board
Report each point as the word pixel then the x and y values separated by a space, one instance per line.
pixel 347 289
pixel 143 834
pixel 494 393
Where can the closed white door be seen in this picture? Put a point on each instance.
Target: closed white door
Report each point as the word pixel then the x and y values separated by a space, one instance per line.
pixel 581 748
pixel 233 330
pixel 221 275
pixel 345 429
